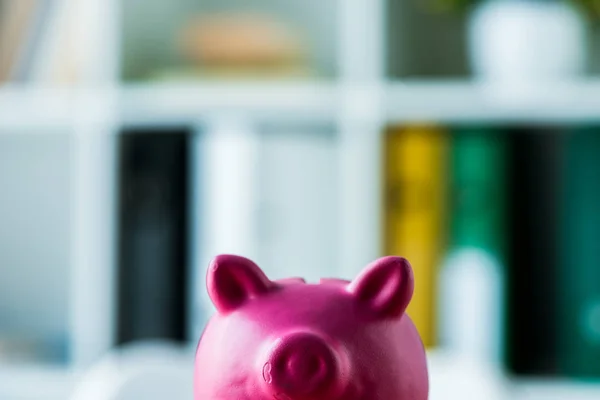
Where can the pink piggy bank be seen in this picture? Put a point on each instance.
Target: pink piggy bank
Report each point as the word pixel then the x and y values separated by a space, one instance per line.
pixel 290 340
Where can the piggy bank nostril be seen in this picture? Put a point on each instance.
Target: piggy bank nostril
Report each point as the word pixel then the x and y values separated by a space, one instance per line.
pixel 267 375
pixel 304 364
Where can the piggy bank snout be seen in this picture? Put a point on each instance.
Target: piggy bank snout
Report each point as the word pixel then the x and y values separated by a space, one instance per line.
pixel 304 365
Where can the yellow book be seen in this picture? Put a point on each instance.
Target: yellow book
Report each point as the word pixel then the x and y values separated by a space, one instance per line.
pixel 414 212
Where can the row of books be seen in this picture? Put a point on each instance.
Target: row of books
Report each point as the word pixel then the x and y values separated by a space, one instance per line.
pixel 501 224
pixel 38 42
pixel 178 206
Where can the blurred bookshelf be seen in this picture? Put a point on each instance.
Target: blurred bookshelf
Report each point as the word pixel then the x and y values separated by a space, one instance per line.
pixel 319 85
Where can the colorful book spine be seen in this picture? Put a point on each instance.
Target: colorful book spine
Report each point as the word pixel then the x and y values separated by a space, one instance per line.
pixel 535 159
pixel 471 281
pixel 153 265
pixel 578 322
pixel 415 194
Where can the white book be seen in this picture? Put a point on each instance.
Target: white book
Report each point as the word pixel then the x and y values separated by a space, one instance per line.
pixel 268 193
pixel 470 309
pixel 298 202
pixel 470 314
pixel 225 172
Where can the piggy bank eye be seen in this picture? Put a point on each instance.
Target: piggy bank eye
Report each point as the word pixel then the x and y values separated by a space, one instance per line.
pixel 232 280
pixel 386 286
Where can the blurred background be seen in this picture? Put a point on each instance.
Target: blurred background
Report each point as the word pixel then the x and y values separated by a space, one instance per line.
pixel 138 139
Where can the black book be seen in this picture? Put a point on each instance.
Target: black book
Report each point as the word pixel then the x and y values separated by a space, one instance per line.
pixel 153 235
pixel 535 164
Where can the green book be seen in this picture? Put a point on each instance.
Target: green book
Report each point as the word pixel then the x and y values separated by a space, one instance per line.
pixel 479 183
pixel 579 271
pixel 472 276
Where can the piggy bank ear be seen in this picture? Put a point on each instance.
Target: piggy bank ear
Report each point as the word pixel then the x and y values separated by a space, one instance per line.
pixel 232 280
pixel 386 286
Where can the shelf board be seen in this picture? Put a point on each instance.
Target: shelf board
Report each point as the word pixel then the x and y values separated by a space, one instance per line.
pixel 451 377
pixel 54 382
pixel 468 101
pixel 183 103
pixel 24 107
pixel 555 390
pixel 33 381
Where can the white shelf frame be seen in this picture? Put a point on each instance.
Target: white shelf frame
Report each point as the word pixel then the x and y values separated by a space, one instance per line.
pixel 361 58
pixel 93 277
